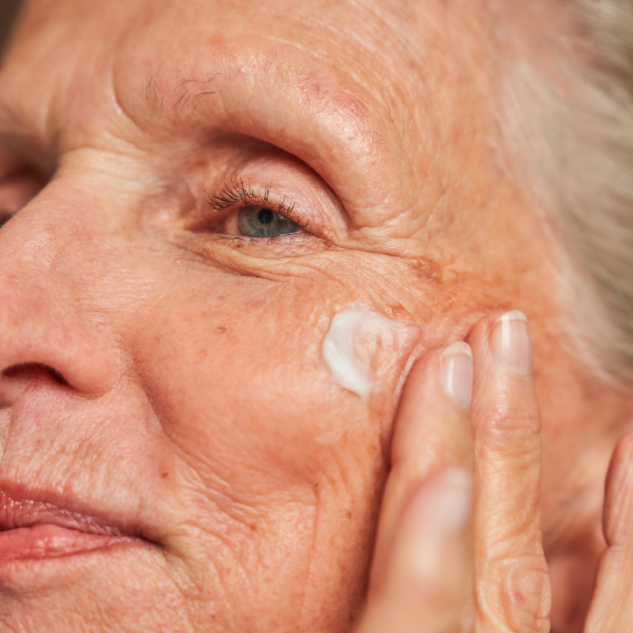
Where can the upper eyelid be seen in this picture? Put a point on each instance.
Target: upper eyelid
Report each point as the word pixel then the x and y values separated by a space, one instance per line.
pixel 235 192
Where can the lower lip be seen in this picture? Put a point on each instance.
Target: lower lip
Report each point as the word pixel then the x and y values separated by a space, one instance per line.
pixel 51 541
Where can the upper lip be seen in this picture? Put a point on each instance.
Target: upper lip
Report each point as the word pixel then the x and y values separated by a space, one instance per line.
pixel 23 507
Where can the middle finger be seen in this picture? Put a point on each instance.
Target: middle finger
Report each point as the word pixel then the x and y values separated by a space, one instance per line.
pixel 512 591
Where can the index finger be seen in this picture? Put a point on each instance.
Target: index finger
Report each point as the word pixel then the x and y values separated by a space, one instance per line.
pixel 432 433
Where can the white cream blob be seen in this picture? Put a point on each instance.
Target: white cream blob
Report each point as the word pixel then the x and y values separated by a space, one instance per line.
pixel 356 345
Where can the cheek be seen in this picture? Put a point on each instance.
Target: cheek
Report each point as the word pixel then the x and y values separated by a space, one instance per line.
pixel 258 439
pixel 239 382
pixel 234 368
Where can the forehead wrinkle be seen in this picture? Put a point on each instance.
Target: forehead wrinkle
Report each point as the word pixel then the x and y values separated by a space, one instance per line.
pixel 364 27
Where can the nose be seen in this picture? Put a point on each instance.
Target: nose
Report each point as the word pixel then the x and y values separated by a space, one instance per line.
pixel 47 329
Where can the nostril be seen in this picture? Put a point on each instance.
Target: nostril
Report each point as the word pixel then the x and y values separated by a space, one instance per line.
pixel 35 371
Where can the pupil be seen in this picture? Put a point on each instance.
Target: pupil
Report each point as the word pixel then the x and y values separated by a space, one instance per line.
pixel 265 216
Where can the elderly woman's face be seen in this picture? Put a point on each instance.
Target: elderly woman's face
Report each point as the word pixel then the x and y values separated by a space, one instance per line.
pixel 202 186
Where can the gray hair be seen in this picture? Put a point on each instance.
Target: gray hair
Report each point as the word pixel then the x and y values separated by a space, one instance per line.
pixel 567 124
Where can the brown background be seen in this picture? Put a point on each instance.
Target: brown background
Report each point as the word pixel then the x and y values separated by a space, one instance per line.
pixel 8 11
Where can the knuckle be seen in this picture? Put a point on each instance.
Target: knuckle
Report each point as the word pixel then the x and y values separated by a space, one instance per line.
pixel 508 432
pixel 516 539
pixel 528 601
pixel 523 601
pixel 509 416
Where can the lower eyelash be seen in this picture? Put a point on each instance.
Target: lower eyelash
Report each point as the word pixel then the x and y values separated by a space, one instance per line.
pixel 281 240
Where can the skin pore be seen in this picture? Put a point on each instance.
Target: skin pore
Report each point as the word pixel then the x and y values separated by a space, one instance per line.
pixel 196 412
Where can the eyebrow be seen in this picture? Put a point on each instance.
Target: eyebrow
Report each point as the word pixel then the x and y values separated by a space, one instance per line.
pixel 327 121
pixel 190 90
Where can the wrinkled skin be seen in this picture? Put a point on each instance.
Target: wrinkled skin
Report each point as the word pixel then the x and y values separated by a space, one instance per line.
pixel 196 410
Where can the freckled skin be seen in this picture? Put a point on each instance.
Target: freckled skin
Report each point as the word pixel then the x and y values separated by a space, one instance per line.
pixel 197 400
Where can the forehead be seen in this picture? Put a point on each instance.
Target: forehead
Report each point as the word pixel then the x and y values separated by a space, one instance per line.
pixel 356 25
pixel 373 87
pixel 368 51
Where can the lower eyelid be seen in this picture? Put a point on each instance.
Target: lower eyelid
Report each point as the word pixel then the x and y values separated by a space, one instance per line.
pixel 280 240
pixel 240 255
pixel 273 247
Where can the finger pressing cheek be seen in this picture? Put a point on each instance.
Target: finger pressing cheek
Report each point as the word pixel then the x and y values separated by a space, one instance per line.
pixel 422 563
pixel 512 589
pixel 431 433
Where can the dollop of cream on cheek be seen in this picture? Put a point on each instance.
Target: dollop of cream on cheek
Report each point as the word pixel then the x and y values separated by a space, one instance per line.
pixel 361 346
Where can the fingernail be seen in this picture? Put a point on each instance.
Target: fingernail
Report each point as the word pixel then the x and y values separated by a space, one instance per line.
pixel 439 510
pixel 456 373
pixel 511 345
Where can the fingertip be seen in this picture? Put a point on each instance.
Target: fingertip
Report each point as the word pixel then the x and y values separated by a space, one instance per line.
pixel 479 336
pixel 438 391
pixel 421 367
pixel 622 454
pixel 618 504
pixel 420 383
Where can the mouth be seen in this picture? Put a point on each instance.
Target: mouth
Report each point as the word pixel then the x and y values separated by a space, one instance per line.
pixel 36 525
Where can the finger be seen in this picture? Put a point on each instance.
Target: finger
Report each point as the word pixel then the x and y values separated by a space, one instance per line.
pixel 432 433
pixel 512 590
pixel 612 605
pixel 425 589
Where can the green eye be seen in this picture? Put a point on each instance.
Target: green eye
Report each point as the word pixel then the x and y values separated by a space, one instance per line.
pixel 263 222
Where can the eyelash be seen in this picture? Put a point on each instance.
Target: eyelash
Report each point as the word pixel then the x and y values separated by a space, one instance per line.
pixel 236 193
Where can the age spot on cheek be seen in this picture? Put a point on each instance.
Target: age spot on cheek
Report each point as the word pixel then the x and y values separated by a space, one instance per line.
pixel 361 346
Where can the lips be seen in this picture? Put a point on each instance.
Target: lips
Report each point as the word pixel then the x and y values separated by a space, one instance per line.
pixel 40 525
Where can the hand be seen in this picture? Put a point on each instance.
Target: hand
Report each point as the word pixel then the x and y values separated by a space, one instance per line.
pixel 612 607
pixel 438 566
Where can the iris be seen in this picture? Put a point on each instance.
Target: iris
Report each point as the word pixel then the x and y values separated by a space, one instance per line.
pixel 254 221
